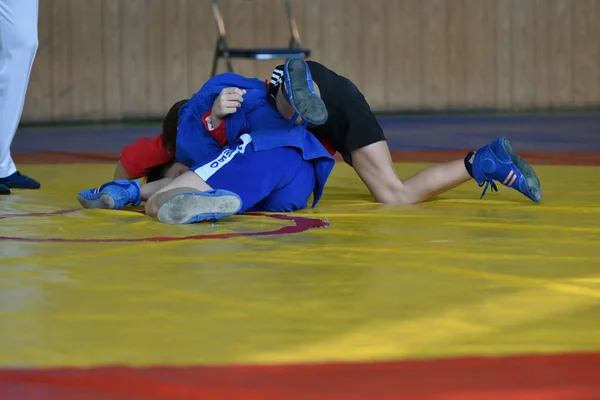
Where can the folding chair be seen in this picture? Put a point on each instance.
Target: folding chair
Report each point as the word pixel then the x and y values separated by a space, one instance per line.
pixel 222 49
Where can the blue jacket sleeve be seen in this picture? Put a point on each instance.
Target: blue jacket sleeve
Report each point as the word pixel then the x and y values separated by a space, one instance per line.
pixel 195 145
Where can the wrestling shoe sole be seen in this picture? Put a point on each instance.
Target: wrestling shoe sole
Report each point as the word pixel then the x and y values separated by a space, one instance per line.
pixel 308 105
pixel 187 208
pixel 104 202
pixel 533 183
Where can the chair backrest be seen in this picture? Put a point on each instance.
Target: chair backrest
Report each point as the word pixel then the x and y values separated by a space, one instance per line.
pixel 294 34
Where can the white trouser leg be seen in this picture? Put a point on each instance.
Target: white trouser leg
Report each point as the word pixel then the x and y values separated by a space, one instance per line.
pixel 18 45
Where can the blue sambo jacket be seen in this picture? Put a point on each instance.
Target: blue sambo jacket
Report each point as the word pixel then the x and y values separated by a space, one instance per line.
pixel 258 118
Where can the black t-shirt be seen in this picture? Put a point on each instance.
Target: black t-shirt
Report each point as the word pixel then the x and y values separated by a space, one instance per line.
pixel 351 124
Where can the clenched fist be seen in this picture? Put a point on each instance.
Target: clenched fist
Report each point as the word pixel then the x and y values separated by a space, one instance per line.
pixel 227 103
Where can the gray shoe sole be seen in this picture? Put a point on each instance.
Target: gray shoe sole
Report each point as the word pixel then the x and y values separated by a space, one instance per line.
pixel 187 208
pixel 535 188
pixel 104 202
pixel 309 105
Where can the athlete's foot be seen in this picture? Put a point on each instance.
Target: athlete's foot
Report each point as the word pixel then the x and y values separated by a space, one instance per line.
pixel 112 196
pixel 187 208
pixel 19 181
pixel 498 161
pixel 298 89
pixel 4 189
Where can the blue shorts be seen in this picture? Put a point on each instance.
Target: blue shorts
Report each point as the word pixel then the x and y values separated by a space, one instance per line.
pixel 278 180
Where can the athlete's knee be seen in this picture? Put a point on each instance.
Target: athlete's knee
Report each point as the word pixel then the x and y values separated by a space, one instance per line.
pixel 393 192
pixel 155 201
pixel 407 197
pixel 152 206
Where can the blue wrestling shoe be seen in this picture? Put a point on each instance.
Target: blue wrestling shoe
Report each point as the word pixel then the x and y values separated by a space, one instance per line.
pixel 4 189
pixel 112 196
pixel 18 181
pixel 188 208
pixel 299 90
pixel 498 161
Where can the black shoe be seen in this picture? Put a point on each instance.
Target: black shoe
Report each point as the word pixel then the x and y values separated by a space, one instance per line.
pixel 19 181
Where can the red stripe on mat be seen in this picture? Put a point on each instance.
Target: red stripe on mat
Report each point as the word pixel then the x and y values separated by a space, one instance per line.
pixel 534 157
pixel 52 157
pixel 539 377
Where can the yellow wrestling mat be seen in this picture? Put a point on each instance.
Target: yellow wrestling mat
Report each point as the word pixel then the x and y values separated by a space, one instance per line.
pixel 348 281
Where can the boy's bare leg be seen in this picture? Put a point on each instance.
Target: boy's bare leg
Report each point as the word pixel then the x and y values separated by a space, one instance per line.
pixel 373 163
pixel 148 189
pixel 497 161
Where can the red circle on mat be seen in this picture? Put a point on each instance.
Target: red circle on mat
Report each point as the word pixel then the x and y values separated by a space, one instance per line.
pixel 301 224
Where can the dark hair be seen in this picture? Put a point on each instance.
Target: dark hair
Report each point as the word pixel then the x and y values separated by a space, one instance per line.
pixel 169 140
pixel 170 123
pixel 156 173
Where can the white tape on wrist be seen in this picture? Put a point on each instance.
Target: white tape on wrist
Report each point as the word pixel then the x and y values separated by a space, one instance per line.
pixel 209 123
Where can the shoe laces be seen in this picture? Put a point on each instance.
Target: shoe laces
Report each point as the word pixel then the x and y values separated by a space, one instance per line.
pixel 487 184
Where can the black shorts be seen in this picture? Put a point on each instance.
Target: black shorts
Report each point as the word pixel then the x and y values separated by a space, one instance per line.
pixel 363 128
pixel 351 124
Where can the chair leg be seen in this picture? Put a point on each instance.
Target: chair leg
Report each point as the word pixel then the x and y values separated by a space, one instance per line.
pixel 214 66
pixel 229 63
pixel 216 59
pixel 224 53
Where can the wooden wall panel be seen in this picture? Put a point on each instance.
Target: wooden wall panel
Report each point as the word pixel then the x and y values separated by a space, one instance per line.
pixel 456 53
pixel 112 77
pixel 134 57
pixel 272 32
pixel 372 40
pixel 481 64
pixel 541 77
pixel 176 38
pixel 403 54
pixel 202 36
pixel 560 53
pixel 159 38
pixel 61 63
pixel 351 49
pixel 586 51
pixel 313 19
pixel 524 66
pixel 504 55
pixel 434 53
pixel 332 30
pixel 40 104
pixel 86 59
pixel 113 59
pixel 242 24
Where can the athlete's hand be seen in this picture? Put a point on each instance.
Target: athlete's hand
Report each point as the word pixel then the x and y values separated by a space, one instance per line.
pixel 227 103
